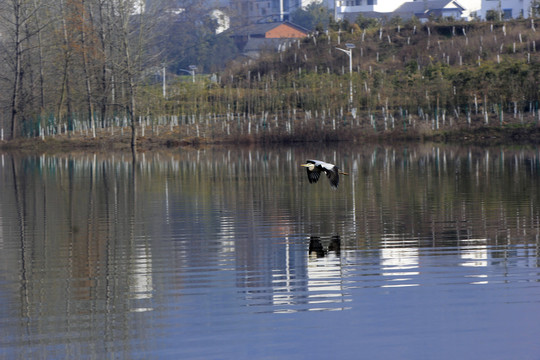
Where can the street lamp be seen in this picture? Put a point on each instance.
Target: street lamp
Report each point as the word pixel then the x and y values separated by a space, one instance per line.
pixel 348 51
pixel 191 71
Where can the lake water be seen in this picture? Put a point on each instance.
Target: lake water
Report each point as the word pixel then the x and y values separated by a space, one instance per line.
pixel 423 252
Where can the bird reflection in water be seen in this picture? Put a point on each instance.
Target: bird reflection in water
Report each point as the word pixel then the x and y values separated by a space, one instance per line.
pixel 319 250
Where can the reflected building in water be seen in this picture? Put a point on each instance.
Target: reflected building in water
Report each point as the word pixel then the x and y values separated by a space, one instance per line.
pixel 140 280
pixel 474 253
pixel 399 262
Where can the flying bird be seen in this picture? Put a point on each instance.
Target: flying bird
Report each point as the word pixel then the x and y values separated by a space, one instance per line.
pixel 315 167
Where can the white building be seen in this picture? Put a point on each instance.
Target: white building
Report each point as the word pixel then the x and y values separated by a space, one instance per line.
pixel 261 11
pixel 379 6
pixel 468 8
pixel 438 9
pixel 506 8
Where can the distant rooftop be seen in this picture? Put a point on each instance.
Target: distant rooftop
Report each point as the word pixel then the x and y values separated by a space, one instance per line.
pixel 262 28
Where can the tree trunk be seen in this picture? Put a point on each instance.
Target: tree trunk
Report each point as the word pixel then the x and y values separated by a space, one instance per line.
pixel 129 71
pixel 40 62
pixel 88 85
pixel 104 65
pixel 65 90
pixel 18 72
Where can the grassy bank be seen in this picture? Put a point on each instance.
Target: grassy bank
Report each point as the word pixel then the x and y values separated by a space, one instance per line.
pixel 161 136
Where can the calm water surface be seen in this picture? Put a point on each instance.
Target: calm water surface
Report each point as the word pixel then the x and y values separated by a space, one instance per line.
pixel 424 252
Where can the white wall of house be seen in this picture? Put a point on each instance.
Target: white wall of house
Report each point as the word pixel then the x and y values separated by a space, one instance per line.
pixel 274 10
pixel 304 3
pixel 509 8
pixel 261 9
pixel 383 6
pixel 472 7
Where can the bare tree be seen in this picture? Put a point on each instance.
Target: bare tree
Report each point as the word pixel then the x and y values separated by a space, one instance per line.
pixel 64 100
pixel 12 16
pixel 133 37
pixel 85 44
pixel 19 27
pixel 65 58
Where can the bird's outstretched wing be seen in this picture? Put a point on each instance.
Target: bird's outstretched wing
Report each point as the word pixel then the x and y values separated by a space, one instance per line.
pixel 313 176
pixel 333 177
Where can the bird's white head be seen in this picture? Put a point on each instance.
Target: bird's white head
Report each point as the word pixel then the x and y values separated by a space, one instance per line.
pixel 309 166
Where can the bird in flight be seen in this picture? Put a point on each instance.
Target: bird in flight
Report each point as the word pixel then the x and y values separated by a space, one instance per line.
pixel 315 167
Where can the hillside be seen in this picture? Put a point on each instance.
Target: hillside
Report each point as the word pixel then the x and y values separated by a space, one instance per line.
pixel 442 81
pixel 428 77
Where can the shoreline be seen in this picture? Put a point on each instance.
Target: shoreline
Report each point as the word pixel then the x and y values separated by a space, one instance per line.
pixel 526 134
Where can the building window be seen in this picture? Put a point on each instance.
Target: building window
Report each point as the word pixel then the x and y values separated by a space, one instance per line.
pixel 372 2
pixel 507 13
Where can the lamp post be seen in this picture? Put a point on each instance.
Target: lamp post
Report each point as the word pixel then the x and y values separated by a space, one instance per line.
pixel 193 68
pixel 348 51
pixel 164 84
pixel 191 71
